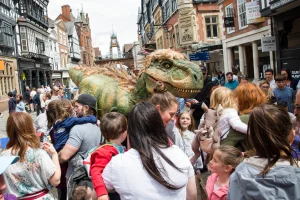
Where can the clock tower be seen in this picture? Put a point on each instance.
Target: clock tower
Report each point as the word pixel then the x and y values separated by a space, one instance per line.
pixel 114 43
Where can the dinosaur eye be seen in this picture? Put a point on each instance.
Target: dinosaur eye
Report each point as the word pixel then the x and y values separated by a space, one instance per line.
pixel 167 65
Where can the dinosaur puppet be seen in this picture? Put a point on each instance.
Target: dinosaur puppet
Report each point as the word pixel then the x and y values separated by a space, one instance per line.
pixel 114 88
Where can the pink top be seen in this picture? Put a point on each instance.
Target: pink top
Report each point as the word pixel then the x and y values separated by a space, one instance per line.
pixel 219 194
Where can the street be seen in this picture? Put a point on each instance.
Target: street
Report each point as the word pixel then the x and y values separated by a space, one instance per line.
pixel 4 110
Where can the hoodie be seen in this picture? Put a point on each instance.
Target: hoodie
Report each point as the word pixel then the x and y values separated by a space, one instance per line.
pixel 281 182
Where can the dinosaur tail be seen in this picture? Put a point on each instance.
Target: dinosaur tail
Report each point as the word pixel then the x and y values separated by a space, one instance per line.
pixel 76 75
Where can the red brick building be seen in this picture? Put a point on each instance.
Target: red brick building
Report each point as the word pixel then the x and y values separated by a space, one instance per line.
pixel 242 48
pixel 82 23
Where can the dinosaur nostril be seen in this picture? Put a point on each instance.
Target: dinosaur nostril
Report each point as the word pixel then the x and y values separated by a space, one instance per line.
pixel 195 77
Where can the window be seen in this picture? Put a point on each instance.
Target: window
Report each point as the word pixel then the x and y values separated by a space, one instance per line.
pixel 211 23
pixel 167 7
pixel 160 43
pixel 229 13
pixel 50 44
pixel 6 34
pixel 23 39
pixel 54 45
pixel 174 5
pixel 242 13
pixel 60 37
pixel 172 36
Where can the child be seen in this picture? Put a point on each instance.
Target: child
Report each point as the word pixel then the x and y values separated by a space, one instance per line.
pixel 271 172
pixel 114 129
pixel 283 93
pixel 65 123
pixel 229 117
pixel 185 126
pixel 224 161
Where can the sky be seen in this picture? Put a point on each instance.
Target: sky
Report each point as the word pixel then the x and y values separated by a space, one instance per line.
pixel 105 16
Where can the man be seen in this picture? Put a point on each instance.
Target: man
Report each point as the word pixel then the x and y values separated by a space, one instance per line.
pixel 202 96
pixel 55 93
pixel 82 137
pixel 12 103
pixel 283 93
pixel 243 79
pixel 297 113
pixel 37 101
pixel 27 98
pixel 231 84
pixel 269 75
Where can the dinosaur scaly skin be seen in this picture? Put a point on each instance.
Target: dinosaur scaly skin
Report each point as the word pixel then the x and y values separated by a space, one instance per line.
pixel 115 88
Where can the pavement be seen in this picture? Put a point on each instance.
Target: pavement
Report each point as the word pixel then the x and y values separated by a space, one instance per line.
pixel 3 120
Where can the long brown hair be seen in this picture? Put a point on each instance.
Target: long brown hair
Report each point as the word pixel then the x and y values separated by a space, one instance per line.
pixel 249 96
pixel 52 112
pixel 269 128
pixel 64 110
pixel 21 133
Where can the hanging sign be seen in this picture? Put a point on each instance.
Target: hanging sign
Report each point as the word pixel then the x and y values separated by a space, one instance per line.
pixel 229 22
pixel 1 65
pixel 253 13
pixel 268 44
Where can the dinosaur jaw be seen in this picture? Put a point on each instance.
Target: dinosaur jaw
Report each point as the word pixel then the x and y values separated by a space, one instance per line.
pixel 178 92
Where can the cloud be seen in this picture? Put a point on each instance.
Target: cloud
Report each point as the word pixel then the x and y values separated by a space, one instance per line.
pixel 105 16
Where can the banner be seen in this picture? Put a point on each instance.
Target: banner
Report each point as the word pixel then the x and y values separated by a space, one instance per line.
pixel 253 13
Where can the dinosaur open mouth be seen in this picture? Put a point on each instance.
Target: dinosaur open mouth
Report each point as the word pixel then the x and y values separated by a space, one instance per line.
pixel 176 88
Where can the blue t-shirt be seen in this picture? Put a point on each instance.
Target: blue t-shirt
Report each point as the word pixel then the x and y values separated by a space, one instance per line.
pixel 287 95
pixel 232 85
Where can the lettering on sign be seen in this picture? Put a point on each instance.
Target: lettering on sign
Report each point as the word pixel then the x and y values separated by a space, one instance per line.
pixel 268 44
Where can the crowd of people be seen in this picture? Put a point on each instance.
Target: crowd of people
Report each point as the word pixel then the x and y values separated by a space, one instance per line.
pixel 245 137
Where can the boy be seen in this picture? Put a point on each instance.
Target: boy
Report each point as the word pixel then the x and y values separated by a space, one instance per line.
pixel 114 129
pixel 283 93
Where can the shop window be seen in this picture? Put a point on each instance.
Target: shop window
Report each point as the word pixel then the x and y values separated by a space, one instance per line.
pixel 242 13
pixel 211 23
pixel 229 12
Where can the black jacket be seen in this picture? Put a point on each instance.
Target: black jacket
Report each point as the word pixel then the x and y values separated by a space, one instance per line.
pixel 12 105
pixel 27 95
pixel 36 99
pixel 202 96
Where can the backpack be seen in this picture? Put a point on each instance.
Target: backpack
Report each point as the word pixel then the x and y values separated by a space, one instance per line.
pixel 87 161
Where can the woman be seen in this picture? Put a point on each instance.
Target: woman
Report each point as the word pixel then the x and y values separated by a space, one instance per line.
pixel 33 174
pixel 152 168
pixel 265 87
pixel 271 173
pixel 248 96
pixel 290 81
pixel 20 107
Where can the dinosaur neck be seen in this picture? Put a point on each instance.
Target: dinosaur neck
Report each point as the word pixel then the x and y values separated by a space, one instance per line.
pixel 139 93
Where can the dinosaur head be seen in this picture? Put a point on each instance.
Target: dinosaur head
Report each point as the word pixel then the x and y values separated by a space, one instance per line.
pixel 178 75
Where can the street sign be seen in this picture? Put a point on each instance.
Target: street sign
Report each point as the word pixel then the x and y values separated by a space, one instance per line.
pixel 199 56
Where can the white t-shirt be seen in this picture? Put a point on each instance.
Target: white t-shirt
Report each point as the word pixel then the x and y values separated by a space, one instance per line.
pixel 126 174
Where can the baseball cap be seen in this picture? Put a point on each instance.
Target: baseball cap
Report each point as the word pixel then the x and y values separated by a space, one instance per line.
pixel 6 161
pixel 87 99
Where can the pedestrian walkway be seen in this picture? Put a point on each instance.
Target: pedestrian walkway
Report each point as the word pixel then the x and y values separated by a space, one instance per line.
pixel 3 121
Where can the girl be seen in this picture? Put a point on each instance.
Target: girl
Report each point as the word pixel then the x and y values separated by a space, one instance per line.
pixel 271 172
pixel 32 175
pixel 20 107
pixel 229 116
pixel 184 128
pixel 224 161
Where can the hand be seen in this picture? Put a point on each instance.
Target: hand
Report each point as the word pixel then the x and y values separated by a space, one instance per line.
pixel 103 197
pixel 188 104
pixel 194 101
pixel 49 148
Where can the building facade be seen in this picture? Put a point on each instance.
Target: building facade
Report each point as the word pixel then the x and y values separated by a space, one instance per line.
pixel 285 18
pixel 242 48
pixel 184 26
pixel 32 43
pixel 82 24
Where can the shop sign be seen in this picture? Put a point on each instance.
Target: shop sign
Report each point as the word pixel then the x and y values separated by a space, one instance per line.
pixel 279 4
pixel 229 22
pixel 1 65
pixel 268 44
pixel 253 13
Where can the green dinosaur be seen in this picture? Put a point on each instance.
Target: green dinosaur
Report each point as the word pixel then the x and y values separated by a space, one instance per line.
pixel 114 88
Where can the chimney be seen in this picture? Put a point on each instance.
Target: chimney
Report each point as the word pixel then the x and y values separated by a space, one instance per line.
pixel 66 12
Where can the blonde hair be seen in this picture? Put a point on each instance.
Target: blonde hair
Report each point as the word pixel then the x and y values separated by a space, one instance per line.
pixel 223 96
pixel 230 156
